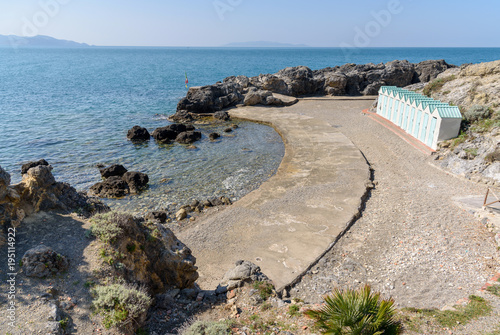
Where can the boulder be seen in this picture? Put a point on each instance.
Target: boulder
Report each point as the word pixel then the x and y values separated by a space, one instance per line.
pixel 213 136
pixel 429 70
pixel 335 84
pixel 27 166
pixel 188 137
pixel 244 272
pixel 112 187
pixel 115 170
pixel 160 217
pixel 221 115
pixel 136 181
pixel 255 97
pixel 299 79
pixel 181 214
pixel 159 261
pixel 211 98
pixel 43 261
pixel 138 133
pixel 274 84
pixel 164 134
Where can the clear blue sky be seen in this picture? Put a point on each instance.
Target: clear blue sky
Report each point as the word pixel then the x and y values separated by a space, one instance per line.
pixel 322 23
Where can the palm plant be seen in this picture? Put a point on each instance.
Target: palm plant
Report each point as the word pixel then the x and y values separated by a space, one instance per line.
pixel 356 312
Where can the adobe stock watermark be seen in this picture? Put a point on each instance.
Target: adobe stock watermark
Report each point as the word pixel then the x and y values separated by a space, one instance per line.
pixel 30 26
pixel 372 29
pixel 11 277
pixel 223 6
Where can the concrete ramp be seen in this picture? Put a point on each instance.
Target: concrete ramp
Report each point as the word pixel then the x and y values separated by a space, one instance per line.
pixel 295 216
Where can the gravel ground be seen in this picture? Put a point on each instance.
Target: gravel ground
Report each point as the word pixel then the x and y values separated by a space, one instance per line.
pixel 412 242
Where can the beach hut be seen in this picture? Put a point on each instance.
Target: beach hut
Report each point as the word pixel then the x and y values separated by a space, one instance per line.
pixel 429 121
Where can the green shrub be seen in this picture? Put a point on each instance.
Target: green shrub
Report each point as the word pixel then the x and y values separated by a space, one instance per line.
pixel 436 85
pixel 108 226
pixel 120 304
pixel 208 328
pixel 265 289
pixel 493 156
pixel 476 113
pixel 356 312
pixel 293 310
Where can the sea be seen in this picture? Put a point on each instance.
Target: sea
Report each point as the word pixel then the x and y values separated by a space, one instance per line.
pixel 73 107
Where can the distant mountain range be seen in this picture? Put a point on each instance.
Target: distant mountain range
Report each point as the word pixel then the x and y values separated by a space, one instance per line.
pixel 38 41
pixel 264 44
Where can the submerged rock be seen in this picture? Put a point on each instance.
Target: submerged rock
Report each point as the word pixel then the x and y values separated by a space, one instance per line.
pixel 188 137
pixel 138 133
pixel 112 187
pixel 213 136
pixel 136 181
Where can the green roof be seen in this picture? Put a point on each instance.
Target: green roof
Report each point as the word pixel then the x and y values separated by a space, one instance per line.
pixel 444 110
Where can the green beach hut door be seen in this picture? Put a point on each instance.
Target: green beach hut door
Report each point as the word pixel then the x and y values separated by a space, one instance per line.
pixel 418 121
pixel 425 126
pixel 430 138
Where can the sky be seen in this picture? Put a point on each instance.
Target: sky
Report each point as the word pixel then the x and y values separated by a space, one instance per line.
pixel 316 23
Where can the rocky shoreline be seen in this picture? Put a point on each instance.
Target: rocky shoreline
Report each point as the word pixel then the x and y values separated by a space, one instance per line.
pixel 277 89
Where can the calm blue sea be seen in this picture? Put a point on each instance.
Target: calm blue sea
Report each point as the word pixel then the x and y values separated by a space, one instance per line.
pixel 73 107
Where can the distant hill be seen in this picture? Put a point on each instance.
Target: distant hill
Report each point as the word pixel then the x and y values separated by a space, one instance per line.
pixel 264 44
pixel 38 41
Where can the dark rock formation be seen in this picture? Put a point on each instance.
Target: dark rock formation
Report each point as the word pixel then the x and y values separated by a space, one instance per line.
pixel 43 261
pixel 181 116
pixel 138 133
pixel 348 79
pixel 212 98
pixel 181 133
pixel 115 170
pixel 136 181
pixel 118 182
pixel 27 166
pixel 112 187
pixel 160 217
pixel 164 134
pixel 221 115
pixel 213 136
pixel 188 137
pixel 429 70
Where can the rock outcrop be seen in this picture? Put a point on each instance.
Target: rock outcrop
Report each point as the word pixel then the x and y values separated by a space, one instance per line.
pixel 271 89
pixel 152 255
pixel 39 191
pixel 118 182
pixel 43 261
pixel 181 133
